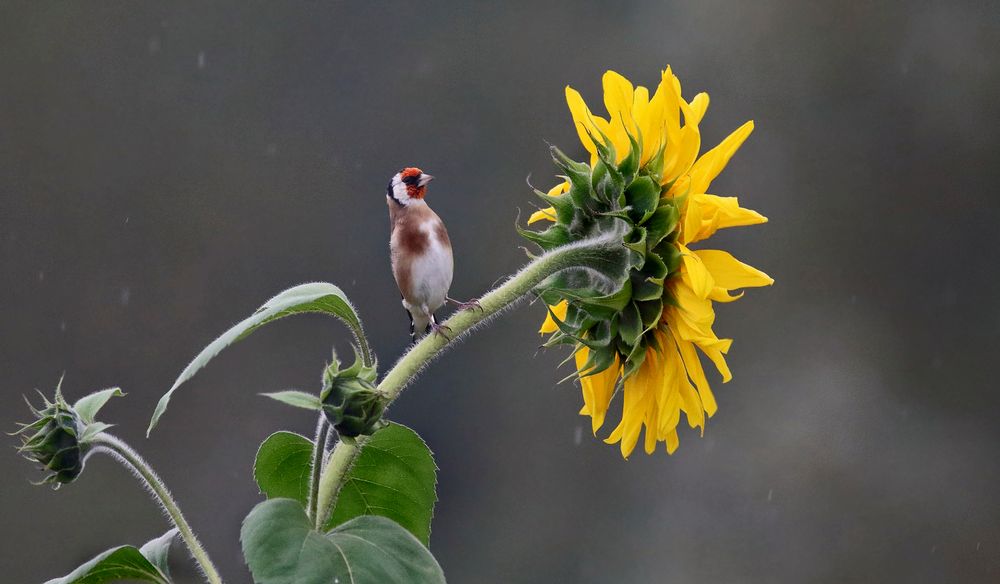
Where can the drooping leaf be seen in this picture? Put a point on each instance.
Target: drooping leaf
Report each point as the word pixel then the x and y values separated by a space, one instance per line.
pixel 395 477
pixel 88 406
pixel 283 465
pixel 146 564
pixel 298 399
pixel 317 297
pixel 281 547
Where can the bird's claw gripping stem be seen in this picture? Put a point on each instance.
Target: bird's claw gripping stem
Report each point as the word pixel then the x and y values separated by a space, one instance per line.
pixel 440 329
pixel 471 304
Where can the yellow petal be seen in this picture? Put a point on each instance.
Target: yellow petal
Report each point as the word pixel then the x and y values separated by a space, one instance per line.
pixel 548 214
pixel 695 273
pixel 712 162
pixel 692 220
pixel 716 213
pixel 559 189
pixel 730 273
pixel 597 389
pixel 582 118
pixel 549 326
pixel 635 400
pixel 698 107
pixel 672 442
pixel 722 295
pixel 619 96
pixel 728 211
pixel 692 365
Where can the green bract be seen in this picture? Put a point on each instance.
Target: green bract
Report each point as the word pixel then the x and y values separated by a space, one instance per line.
pixel 350 401
pixel 61 435
pixel 612 317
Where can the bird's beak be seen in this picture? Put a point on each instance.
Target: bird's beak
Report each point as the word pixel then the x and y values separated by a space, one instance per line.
pixel 424 179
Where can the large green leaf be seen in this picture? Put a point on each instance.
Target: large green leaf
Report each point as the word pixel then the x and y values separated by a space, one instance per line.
pixel 146 564
pixel 281 547
pixel 395 477
pixel 283 465
pixel 315 297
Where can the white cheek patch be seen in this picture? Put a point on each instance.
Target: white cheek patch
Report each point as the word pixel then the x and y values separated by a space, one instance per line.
pixel 398 189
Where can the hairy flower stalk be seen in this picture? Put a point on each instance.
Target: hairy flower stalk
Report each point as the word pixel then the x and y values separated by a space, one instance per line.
pixel 603 255
pixel 131 459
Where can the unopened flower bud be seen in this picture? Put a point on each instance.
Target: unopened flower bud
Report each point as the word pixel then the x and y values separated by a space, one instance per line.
pixel 55 445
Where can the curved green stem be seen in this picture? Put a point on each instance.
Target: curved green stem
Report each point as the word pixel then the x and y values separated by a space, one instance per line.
pixel 584 253
pixel 131 459
pixel 340 462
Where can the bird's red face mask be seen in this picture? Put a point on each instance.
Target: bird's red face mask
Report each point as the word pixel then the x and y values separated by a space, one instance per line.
pixel 415 181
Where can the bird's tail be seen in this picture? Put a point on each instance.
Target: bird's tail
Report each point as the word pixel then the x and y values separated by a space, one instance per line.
pixel 418 325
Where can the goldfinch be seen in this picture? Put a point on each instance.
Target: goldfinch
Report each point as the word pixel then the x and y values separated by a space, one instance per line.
pixel 421 251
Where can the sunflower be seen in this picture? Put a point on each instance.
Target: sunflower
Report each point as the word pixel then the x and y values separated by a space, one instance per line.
pixel 643 334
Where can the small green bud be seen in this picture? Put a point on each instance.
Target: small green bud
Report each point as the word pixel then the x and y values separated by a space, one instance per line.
pixel 63 435
pixel 351 403
pixel 55 445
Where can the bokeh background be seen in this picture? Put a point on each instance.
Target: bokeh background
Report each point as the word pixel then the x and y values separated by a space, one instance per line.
pixel 166 168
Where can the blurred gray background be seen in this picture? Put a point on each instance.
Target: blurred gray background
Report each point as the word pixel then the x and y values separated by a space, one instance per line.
pixel 165 169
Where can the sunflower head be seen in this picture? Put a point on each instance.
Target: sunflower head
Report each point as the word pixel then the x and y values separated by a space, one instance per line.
pixel 611 318
pixel 641 331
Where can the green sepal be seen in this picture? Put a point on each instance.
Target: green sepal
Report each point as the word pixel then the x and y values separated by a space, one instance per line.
pixel 643 196
pixel 636 241
pixel 551 238
pixel 654 166
pixel 576 171
pixel 630 165
pixel 598 360
pixel 630 324
pixel 636 355
pixel 644 288
pixel 661 223
pixel 561 203
pixel 650 312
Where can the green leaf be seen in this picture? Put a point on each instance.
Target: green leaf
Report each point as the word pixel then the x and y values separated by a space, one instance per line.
pixel 148 564
pixel 283 465
pixel 88 406
pixel 298 399
pixel 395 477
pixel 315 297
pixel 93 429
pixel 281 547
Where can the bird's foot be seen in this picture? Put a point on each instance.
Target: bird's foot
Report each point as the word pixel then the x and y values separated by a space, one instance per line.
pixel 472 303
pixel 440 330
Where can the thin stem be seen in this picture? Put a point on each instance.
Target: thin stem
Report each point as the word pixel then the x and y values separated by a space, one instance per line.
pixel 131 459
pixel 340 462
pixel 319 452
pixel 583 253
